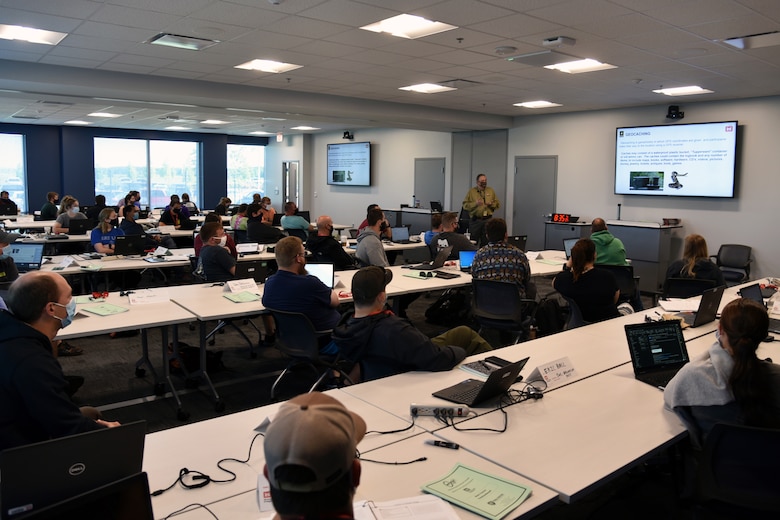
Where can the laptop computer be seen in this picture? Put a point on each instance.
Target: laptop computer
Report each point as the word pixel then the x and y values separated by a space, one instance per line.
pixel 277 220
pixel 124 499
pixel 80 226
pixel 255 269
pixel 8 209
pixel 755 293
pixel 708 308
pixel 568 243
pixel 466 259
pixel 324 272
pixel 518 241
pixel 436 206
pixel 657 350
pixel 41 474
pixel 400 235
pixel 27 257
pixel 248 248
pixel 473 391
pixel 437 263
pixel 130 245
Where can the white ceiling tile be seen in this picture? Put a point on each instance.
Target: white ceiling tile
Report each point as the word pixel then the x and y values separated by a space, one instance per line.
pixel 348 13
pixel 68 8
pixel 128 17
pixel 463 12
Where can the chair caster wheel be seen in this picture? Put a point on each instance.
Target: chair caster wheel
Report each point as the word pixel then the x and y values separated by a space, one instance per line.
pixel 219 406
pixel 140 372
pixel 159 389
pixel 182 415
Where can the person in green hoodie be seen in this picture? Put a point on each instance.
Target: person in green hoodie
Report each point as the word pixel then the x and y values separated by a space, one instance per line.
pixel 609 250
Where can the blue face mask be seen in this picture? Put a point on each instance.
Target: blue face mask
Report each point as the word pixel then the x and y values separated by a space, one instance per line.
pixel 74 210
pixel 70 308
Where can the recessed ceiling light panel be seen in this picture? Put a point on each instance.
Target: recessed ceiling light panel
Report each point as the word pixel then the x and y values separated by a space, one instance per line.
pixel 30 35
pixel 77 122
pixel 537 104
pixel 274 67
pixel 179 41
pixel 103 114
pixel 302 127
pixel 691 90
pixel 408 26
pixel 427 88
pixel 579 66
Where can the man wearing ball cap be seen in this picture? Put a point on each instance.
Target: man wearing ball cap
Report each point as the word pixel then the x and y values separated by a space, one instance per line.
pixel 310 458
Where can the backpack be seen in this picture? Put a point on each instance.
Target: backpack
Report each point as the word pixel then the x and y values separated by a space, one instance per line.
pixel 452 308
pixel 549 317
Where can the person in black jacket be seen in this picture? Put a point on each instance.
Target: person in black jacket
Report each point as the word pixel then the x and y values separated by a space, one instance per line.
pixel 34 404
pixel 381 344
pixel 257 231
pixel 695 262
pixel 325 248
pixel 131 227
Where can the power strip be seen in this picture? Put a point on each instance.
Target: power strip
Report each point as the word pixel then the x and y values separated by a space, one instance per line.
pixel 438 410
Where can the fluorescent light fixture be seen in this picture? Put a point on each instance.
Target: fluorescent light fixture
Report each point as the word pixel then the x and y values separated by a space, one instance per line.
pixel 261 132
pixel 214 122
pixel 755 41
pixel 427 88
pixel 77 122
pixel 103 114
pixel 408 26
pixel 579 66
pixel 274 67
pixel 179 41
pixel 273 119
pixel 177 128
pixel 28 34
pixel 683 91
pixel 304 128
pixel 537 104
pixel 245 110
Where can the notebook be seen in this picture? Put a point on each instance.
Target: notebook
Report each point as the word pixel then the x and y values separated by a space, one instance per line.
pixel 568 243
pixel 657 350
pixel 130 245
pixel 473 391
pixel 38 475
pixel 80 226
pixel 438 262
pixel 518 241
pixel 708 308
pixel 466 259
pixel 255 269
pixel 322 271
pixel 27 257
pixel 400 235
pixel 124 499
pixel 754 292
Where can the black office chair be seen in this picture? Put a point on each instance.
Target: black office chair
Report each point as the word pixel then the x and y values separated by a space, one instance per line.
pixel 627 282
pixel 738 475
pixel 686 287
pixel 463 221
pixel 575 318
pixel 297 338
pixel 498 305
pixel 240 236
pixel 734 262
pixel 296 233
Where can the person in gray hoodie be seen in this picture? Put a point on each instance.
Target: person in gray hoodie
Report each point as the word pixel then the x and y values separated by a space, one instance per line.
pixel 369 246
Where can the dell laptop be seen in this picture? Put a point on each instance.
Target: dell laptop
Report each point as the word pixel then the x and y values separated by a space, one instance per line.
pixel 400 235
pixel 27 257
pixel 41 474
pixel 466 259
pixel 130 245
pixel 255 269
pixel 657 350
pixel 754 292
pixel 471 392
pixel 324 272
pixel 80 226
pixel 437 263
pixel 708 308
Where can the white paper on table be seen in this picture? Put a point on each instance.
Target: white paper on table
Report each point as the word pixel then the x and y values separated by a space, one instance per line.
pixel 427 507
pixel 237 286
pixel 680 304
pixel 147 296
pixel 68 261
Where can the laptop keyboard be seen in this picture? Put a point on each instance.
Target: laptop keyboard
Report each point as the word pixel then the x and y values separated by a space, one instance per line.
pixel 468 395
pixel 660 379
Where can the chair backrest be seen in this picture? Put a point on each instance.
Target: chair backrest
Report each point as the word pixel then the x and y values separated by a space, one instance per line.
pixel 734 261
pixel 624 275
pixel 739 467
pixel 295 335
pixel 575 318
pixel 498 300
pixel 353 233
pixel 297 233
pixel 463 221
pixel 686 287
pixel 241 236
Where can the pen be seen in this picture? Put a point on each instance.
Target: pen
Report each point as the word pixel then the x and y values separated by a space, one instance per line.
pixel 443 444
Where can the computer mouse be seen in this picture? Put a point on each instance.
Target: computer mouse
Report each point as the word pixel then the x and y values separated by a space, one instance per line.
pixel 769 339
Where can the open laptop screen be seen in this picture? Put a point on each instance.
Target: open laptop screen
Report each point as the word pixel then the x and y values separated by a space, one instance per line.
pixel 466 258
pixel 400 233
pixel 322 271
pixel 27 257
pixel 656 344
pixel 568 243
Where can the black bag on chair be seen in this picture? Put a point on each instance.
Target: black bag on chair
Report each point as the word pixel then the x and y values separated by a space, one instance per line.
pixel 452 308
pixel 549 317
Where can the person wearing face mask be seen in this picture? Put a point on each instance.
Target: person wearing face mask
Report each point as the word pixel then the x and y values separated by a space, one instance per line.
pixel 131 227
pixel 8 270
pixel 176 218
pixel 292 289
pixel 230 244
pixel 49 210
pixel 34 404
pixel 325 248
pixel 103 237
pixel 69 210
pixel 214 260
pixel 267 211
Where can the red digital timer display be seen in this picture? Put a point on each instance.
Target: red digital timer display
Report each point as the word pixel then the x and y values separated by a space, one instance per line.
pixel 564 218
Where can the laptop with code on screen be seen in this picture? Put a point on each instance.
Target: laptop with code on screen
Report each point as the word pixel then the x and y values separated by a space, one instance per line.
pixel 657 350
pixel 27 257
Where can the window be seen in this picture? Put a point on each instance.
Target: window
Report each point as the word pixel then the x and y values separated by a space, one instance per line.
pixel 157 169
pixel 245 172
pixel 12 171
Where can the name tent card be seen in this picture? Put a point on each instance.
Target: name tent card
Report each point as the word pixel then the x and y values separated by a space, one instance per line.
pixel 554 373
pixel 245 284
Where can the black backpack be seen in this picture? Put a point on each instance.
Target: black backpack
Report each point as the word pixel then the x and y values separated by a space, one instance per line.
pixel 550 317
pixel 452 308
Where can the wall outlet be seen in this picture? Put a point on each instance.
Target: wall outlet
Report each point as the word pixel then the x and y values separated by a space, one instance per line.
pixel 416 410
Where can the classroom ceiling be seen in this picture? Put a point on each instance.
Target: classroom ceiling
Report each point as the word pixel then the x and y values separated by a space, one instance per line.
pixel 350 77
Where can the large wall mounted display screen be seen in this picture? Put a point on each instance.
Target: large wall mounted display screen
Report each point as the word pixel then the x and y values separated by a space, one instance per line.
pixel 694 160
pixel 349 164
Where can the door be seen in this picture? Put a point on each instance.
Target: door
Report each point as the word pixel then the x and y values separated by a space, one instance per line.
pixel 428 181
pixel 534 197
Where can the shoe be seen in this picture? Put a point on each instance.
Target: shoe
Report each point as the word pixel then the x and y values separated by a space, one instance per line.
pixel 65 349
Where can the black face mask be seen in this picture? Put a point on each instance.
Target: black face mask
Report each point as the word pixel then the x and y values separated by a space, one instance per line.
pixel 177 210
pixel 55 201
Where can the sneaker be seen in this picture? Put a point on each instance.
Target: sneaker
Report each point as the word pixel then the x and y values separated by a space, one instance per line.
pixel 65 349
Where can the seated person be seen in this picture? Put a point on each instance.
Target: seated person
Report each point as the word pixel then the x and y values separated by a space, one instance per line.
pixel 49 210
pixel 501 261
pixel 222 207
pixel 215 263
pixel 8 270
pixel 370 250
pixel 325 248
pixel 382 344
pixel 131 227
pixel 449 237
pixel 103 237
pixel 69 209
pixel 729 383
pixel 595 291
pixel 609 250
pixel 187 204
pixel 94 211
pixel 435 228
pixel 239 220
pixel 268 211
pixel 175 217
pixel 695 262
pixel 230 244
pixel 8 203
pixel 363 224
pixel 174 199
pixel 257 230
pixel 292 289
pixel 34 405
pixel 295 224
pixel 129 200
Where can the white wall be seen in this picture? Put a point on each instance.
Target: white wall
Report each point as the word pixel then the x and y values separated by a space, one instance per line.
pixel 585 146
